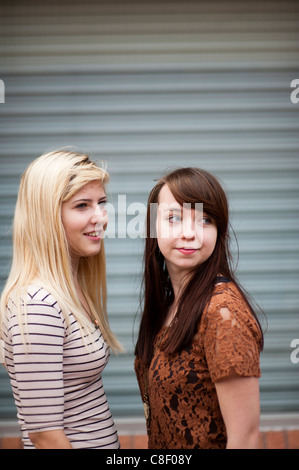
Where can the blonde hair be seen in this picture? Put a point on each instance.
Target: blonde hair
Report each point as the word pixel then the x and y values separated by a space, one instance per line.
pixel 40 248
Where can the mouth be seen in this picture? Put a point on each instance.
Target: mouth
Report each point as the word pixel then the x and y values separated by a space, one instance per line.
pixel 187 251
pixel 95 235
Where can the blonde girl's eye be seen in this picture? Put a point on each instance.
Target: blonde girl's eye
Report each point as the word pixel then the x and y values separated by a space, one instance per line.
pixel 82 205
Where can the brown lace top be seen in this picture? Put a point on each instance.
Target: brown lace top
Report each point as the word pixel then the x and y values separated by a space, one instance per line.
pixel 185 412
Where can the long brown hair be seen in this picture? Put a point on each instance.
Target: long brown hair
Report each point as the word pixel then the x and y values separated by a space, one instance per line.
pixel 188 185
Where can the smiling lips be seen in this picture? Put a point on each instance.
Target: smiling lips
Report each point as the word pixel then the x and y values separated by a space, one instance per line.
pixel 93 235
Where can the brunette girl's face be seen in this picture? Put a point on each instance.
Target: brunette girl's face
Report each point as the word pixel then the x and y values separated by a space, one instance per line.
pixel 186 237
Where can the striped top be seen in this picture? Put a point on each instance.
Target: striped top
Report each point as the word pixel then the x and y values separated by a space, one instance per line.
pixel 56 379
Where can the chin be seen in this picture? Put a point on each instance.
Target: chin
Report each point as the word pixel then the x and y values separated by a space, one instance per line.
pixel 89 254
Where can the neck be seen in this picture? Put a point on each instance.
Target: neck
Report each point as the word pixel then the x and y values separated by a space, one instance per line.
pixel 178 280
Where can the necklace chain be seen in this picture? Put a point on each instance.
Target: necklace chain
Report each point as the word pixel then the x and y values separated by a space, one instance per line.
pixel 93 320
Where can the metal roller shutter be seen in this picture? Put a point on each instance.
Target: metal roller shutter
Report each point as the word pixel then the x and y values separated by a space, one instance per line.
pixel 151 85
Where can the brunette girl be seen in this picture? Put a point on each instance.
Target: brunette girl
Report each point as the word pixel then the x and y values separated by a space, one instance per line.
pixel 54 322
pixel 197 354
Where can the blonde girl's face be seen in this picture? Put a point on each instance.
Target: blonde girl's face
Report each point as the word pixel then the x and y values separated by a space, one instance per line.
pixel 84 219
pixel 186 237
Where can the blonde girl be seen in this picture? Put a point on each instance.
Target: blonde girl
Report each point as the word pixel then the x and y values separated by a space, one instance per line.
pixel 54 323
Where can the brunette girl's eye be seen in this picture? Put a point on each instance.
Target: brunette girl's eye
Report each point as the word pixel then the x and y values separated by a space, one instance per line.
pixel 208 220
pixel 174 218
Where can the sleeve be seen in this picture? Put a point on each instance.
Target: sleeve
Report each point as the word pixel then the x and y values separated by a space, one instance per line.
pixel 38 367
pixel 232 337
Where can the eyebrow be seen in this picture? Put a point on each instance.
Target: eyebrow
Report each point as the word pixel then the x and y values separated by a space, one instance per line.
pixel 104 198
pixel 180 209
pixel 173 210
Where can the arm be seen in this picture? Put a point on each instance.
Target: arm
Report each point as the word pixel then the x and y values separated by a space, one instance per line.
pixel 37 368
pixel 50 440
pixel 240 407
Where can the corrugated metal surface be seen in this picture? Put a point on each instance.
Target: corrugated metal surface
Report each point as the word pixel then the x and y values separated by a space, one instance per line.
pixel 148 86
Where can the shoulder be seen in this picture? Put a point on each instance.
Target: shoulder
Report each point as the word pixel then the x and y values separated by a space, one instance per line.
pixel 36 313
pixel 42 305
pixel 230 333
pixel 226 294
pixel 36 320
pixel 36 300
pixel 39 294
pixel 228 305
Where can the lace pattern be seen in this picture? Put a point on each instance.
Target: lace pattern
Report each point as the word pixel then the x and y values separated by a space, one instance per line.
pixel 184 408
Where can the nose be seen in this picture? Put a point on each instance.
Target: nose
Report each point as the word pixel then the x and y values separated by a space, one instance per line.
pixel 99 217
pixel 188 228
pixel 192 229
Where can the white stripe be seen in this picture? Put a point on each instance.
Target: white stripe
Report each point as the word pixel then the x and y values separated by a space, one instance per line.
pixel 57 383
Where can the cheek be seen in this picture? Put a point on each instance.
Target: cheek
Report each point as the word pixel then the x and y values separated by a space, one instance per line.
pixel 165 236
pixel 71 225
pixel 211 240
pixel 167 231
pixel 163 247
pixel 69 233
pixel 166 246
